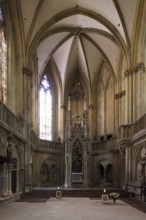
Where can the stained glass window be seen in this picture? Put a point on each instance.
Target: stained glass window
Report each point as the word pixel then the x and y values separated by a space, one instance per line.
pixel 3 61
pixel 45 109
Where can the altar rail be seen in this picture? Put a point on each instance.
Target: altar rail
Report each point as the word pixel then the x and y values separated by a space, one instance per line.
pixel 104 145
pixel 11 120
pixel 129 130
pixel 46 145
pixel 77 177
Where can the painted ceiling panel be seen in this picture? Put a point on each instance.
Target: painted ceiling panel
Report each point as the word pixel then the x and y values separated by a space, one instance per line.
pixel 82 62
pixel 128 15
pixel 49 9
pixel 107 9
pixel 80 21
pixel 94 57
pixel 46 47
pixel 114 17
pixel 77 62
pixel 109 48
pixel 27 14
pixel 61 57
pixel 72 61
pixel 105 77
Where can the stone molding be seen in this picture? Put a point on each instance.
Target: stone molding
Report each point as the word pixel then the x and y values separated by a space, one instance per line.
pixel 120 94
pixel 62 106
pixel 91 106
pixel 135 69
pixel 27 72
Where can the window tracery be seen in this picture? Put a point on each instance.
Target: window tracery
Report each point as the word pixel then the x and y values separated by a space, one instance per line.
pixel 3 61
pixel 45 109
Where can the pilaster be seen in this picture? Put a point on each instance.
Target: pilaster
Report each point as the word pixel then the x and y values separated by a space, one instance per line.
pixel 123 167
pixel 27 118
pixel 135 91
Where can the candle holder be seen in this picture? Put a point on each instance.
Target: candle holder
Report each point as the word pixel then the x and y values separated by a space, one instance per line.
pixel 104 196
pixel 58 193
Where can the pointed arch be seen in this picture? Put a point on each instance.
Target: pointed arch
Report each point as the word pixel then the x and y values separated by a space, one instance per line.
pixel 77 157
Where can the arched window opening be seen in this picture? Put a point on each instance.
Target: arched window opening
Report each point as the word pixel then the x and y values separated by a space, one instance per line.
pixel 45 109
pixel 3 61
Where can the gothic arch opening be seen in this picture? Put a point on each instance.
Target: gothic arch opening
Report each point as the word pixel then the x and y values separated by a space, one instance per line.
pixel 109 173
pixel 77 158
pixel 104 173
pixel 101 173
pixel 44 175
pixel 53 175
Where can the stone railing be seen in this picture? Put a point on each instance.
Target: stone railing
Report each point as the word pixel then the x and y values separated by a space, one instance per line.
pixel 10 120
pixel 99 145
pixel 140 124
pixel 77 177
pixel 50 145
pixel 46 145
pixel 125 132
pixel 104 145
pixel 130 130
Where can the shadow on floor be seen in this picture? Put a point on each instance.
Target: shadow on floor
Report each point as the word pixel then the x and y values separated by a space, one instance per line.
pixel 136 204
pixel 33 200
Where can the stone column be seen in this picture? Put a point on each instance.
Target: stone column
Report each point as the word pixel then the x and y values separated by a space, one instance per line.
pixel 130 164
pixel 144 165
pixel 122 168
pixel 116 112
pixel 85 165
pixel 9 179
pixel 27 108
pixel 68 166
pixel 129 92
pixel 139 70
pixel 85 104
pixel 70 170
pixel 127 165
pixel 4 180
pixel 68 126
pixel 61 121
pixel 69 104
pixel 130 98
pixel 134 91
pixel 105 108
pixel 17 183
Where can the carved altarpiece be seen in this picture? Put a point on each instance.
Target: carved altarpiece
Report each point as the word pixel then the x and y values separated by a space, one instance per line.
pixel 77 145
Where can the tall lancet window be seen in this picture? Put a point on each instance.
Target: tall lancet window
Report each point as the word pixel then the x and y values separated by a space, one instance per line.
pixel 3 61
pixel 45 109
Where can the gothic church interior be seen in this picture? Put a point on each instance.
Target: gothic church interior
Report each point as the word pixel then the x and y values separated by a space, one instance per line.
pixel 72 94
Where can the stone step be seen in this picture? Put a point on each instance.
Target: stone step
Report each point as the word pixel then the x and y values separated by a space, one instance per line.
pixel 46 193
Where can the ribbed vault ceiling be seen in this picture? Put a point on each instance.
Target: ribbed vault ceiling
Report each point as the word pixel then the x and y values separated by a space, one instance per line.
pixel 78 34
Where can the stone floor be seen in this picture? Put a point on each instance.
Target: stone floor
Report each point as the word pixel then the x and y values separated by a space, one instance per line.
pixel 135 203
pixel 69 209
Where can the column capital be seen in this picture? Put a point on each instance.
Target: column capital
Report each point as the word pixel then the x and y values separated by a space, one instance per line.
pixel 91 106
pixel 139 66
pixel 27 72
pixel 120 94
pixel 122 151
pixel 62 106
